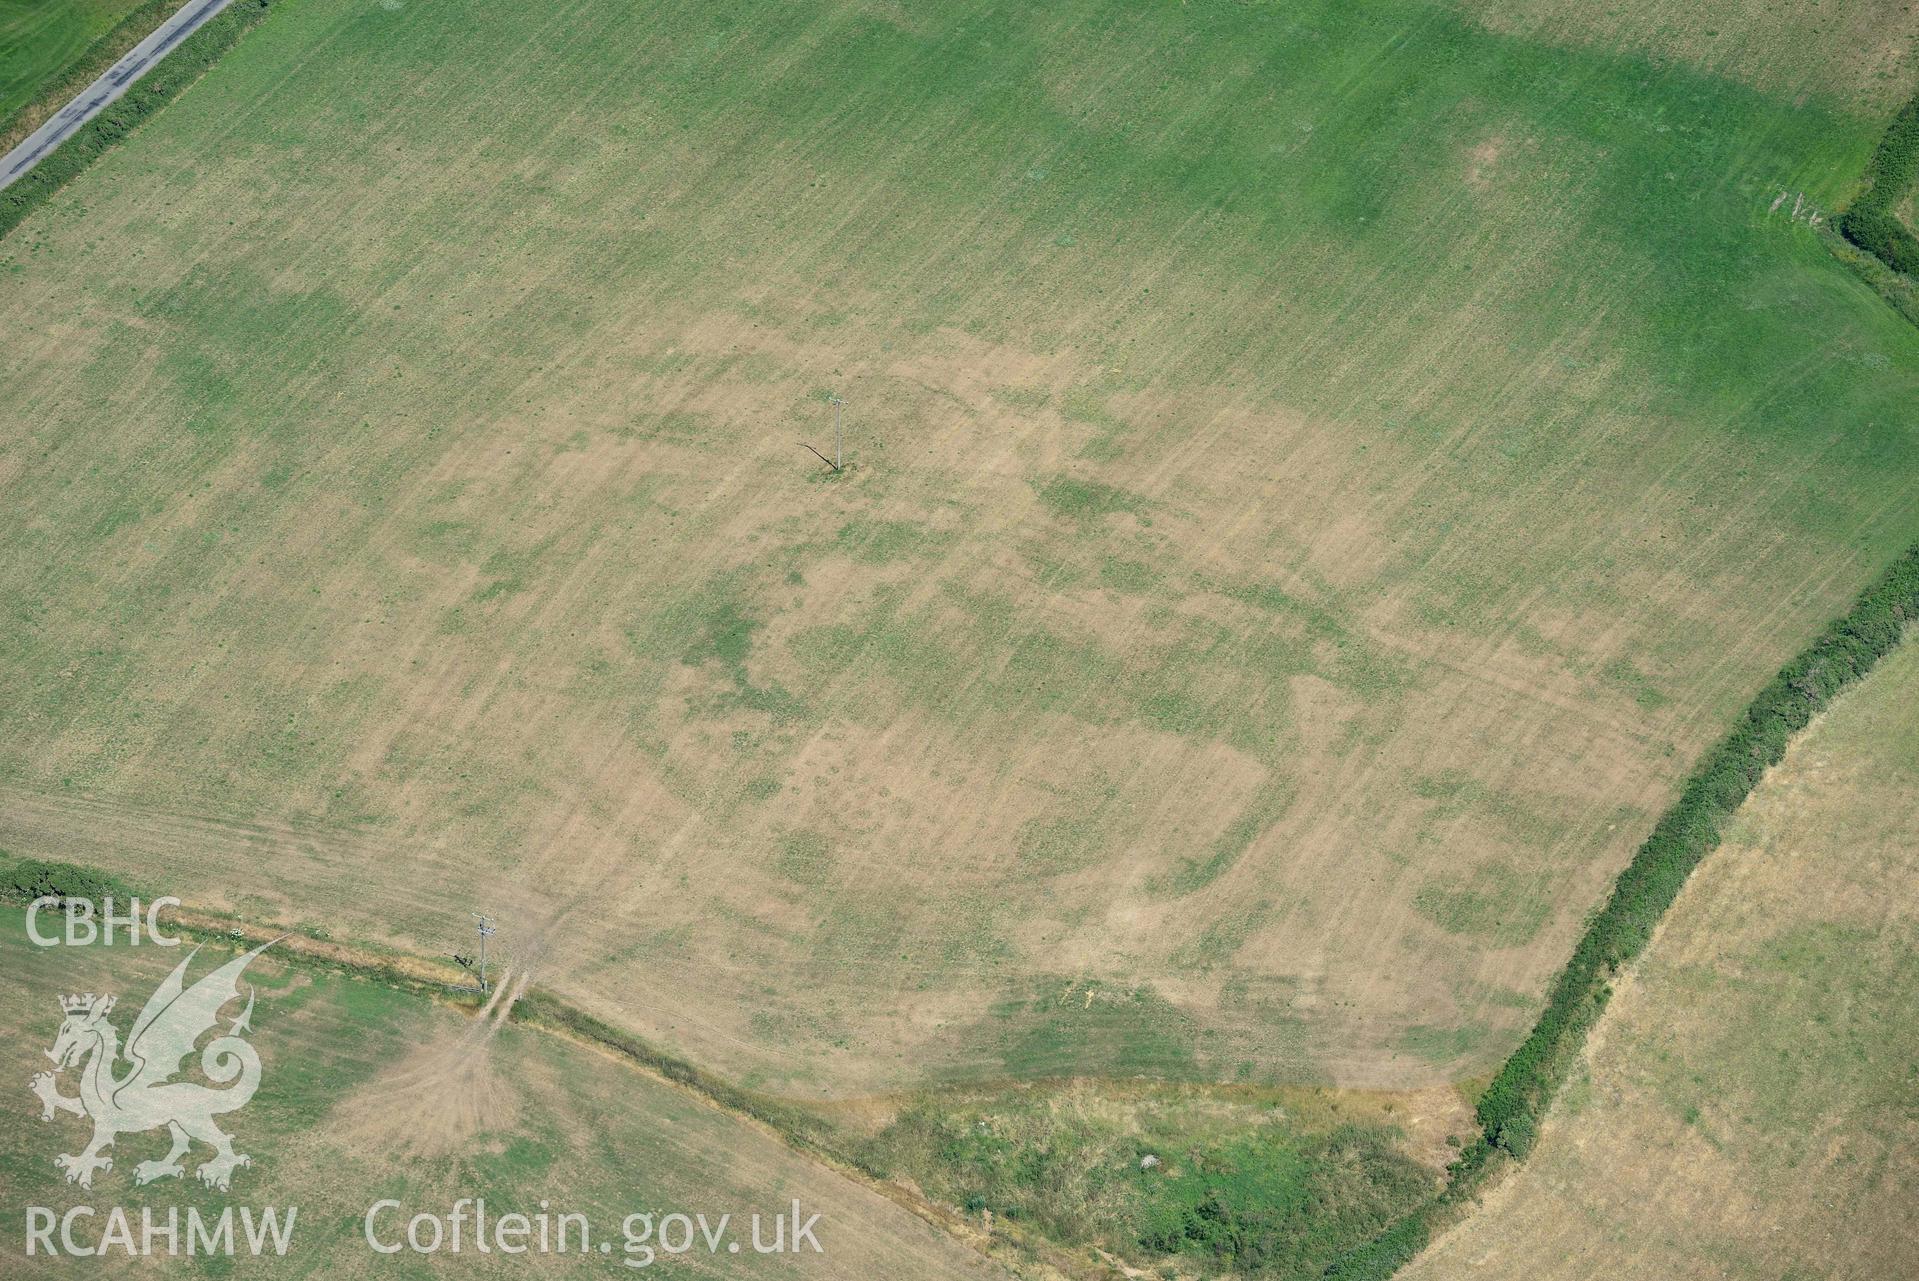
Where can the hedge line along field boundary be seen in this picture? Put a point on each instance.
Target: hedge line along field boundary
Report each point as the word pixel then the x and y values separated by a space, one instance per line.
pixel 93 61
pixel 149 94
pixel 1511 1109
pixel 1871 223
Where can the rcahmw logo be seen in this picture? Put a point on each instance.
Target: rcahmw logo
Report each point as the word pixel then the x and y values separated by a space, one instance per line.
pixel 165 1231
pixel 144 1094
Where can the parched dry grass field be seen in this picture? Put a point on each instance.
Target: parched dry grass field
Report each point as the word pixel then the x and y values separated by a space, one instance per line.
pixel 1746 1108
pixel 368 1094
pixel 1320 474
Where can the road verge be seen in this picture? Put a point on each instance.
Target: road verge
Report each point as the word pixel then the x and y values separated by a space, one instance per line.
pixel 159 86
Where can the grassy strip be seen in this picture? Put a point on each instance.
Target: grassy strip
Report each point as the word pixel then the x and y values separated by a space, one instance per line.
pixel 148 95
pixel 1899 290
pixel 24 880
pixel 1871 223
pixel 84 70
pixel 1515 1103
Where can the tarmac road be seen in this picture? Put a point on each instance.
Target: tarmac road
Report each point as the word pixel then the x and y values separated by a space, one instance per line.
pixel 118 79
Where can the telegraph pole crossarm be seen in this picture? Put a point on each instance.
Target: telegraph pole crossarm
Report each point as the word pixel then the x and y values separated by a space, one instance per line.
pixel 839 437
pixel 486 932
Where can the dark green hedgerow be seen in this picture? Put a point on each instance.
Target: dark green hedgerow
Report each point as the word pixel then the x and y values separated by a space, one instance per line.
pixel 1512 1107
pixel 148 95
pixel 1871 223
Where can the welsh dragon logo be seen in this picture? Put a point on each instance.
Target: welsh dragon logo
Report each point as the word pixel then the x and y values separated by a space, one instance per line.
pixel 144 1096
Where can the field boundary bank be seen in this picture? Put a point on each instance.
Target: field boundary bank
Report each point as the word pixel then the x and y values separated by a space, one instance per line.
pixel 93 62
pixel 1514 1104
pixel 169 78
pixel 800 1132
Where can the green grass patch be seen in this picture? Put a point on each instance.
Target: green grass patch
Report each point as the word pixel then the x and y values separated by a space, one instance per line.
pixel 1191 875
pixel 1494 905
pixel 881 542
pixel 50 47
pixel 1071 498
pixel 1172 1177
pixel 1443 1043
pixel 1073 1028
pixel 805 857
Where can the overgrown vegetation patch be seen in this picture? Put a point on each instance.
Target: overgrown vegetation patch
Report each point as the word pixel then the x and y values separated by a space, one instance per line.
pixel 24 880
pixel 1198 1180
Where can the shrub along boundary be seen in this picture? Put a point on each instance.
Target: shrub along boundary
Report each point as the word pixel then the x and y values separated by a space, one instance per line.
pixel 1871 223
pixel 1900 291
pixel 91 63
pixel 148 95
pixel 1516 1102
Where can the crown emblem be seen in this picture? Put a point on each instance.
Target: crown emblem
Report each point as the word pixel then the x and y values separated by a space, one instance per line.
pixel 84 1004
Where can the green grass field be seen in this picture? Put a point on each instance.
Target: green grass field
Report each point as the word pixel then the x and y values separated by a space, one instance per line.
pixel 1321 476
pixel 1745 1108
pixel 41 38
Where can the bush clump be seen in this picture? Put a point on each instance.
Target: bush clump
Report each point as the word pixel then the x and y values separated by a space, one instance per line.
pixel 24 880
pixel 1871 223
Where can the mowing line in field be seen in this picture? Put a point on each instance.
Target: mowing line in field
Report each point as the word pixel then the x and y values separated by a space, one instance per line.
pixel 97 96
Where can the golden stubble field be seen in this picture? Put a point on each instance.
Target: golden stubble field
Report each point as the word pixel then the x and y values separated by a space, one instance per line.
pixel 1289 554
